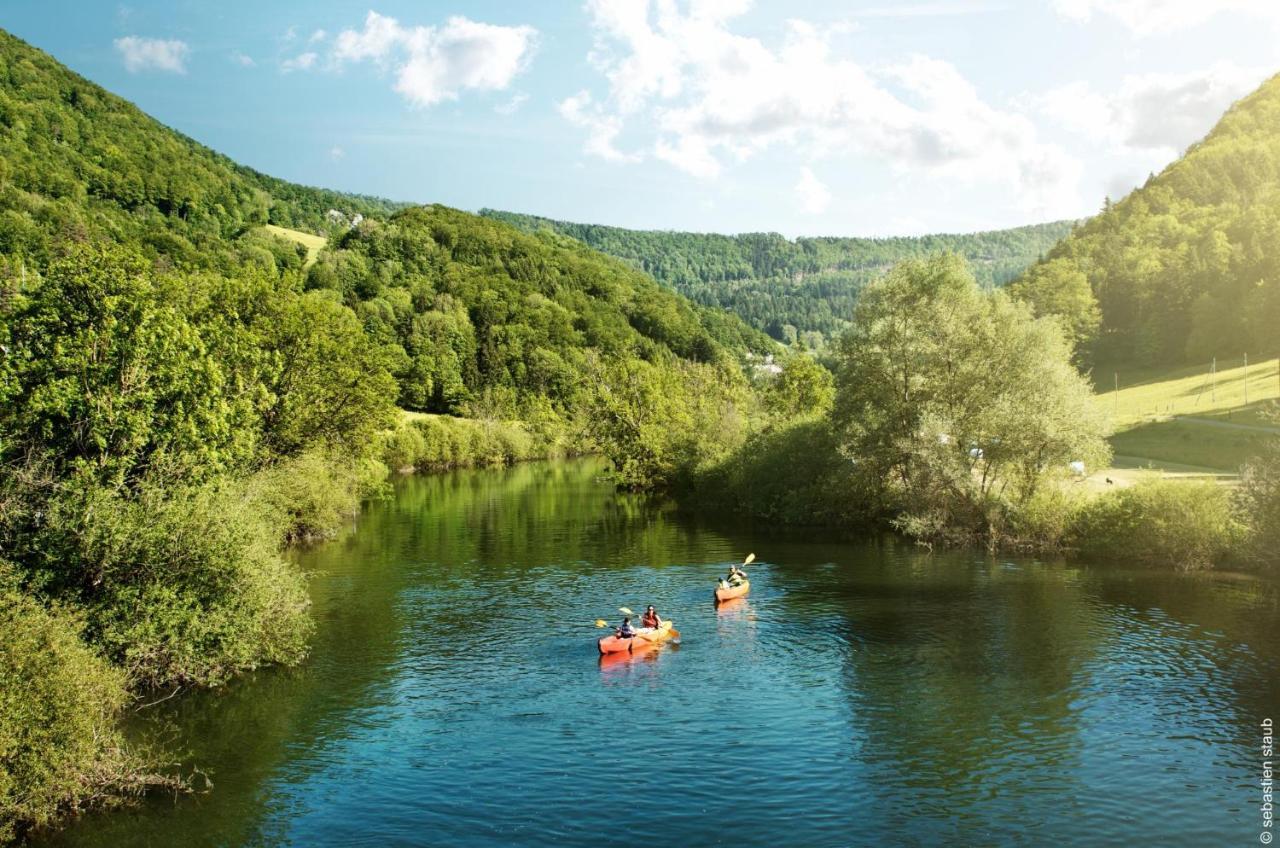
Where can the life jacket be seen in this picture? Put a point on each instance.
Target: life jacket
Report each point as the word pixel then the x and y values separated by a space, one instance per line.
pixel 650 620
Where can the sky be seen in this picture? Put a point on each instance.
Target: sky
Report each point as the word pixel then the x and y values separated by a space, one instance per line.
pixel 793 116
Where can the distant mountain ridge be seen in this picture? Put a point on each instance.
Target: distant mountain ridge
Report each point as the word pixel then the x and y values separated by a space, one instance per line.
pixel 808 285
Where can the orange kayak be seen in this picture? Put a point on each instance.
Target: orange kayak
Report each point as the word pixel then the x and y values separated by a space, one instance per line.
pixel 733 591
pixel 644 638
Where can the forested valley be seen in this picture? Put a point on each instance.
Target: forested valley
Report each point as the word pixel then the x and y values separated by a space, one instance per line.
pixel 186 391
pixel 798 291
pixel 183 394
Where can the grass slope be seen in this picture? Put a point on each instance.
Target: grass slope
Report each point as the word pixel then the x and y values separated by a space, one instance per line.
pixel 312 242
pixel 1186 418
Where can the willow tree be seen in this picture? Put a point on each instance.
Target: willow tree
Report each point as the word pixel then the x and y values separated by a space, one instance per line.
pixel 957 403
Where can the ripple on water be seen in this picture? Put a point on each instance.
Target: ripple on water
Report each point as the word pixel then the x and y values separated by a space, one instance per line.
pixel 863 694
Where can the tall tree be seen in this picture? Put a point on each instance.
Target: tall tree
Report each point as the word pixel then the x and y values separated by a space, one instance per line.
pixel 953 400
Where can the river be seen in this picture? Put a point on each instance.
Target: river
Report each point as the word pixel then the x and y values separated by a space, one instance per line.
pixel 865 693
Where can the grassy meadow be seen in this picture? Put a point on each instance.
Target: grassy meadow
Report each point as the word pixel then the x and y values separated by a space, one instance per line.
pixel 1187 421
pixel 313 243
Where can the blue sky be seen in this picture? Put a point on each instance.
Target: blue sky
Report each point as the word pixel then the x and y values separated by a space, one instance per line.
pixel 801 117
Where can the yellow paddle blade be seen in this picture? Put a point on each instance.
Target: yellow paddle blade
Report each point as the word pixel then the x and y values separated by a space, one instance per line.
pixel 625 611
pixel 750 559
pixel 600 622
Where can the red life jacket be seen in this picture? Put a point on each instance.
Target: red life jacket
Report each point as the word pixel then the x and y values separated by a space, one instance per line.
pixel 650 620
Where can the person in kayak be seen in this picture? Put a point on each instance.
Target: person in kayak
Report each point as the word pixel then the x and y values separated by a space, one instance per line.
pixel 736 576
pixel 651 619
pixel 625 630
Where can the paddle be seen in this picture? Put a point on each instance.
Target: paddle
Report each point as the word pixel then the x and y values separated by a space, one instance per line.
pixel 675 634
pixel 750 559
pixel 600 622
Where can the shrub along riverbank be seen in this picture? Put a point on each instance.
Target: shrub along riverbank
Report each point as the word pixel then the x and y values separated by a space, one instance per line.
pixel 164 438
pixel 193 589
pixel 956 418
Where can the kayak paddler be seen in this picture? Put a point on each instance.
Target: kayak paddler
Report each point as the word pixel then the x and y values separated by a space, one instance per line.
pixel 625 630
pixel 735 577
pixel 651 619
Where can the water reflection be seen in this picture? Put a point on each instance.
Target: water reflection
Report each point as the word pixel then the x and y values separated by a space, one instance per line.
pixel 864 693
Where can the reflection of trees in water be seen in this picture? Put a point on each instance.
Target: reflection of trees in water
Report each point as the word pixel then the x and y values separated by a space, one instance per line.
pixel 480 523
pixel 1224 628
pixel 971 680
pixel 489 535
pixel 960 676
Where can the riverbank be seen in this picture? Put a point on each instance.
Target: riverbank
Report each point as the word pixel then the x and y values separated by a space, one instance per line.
pixel 796 475
pixel 69 674
pixel 1044 693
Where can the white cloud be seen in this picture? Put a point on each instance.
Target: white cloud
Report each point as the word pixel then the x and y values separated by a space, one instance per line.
pixel 301 62
pixel 929 10
pixel 1151 17
pixel 317 35
pixel 602 130
pixel 511 106
pixel 433 64
pixel 812 195
pixel 693 93
pixel 141 54
pixel 336 153
pixel 1151 112
pixel 242 60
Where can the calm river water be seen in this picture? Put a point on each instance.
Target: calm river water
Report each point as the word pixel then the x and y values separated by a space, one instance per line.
pixel 865 693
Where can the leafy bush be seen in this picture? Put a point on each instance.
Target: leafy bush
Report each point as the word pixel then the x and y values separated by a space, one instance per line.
pixel 311 496
pixel 1259 501
pixel 1043 521
pixel 1159 522
pixel 790 475
pixel 801 388
pixel 435 442
pixel 404 447
pixel 181 585
pixel 59 702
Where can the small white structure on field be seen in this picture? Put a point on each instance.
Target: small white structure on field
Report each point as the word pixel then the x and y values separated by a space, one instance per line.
pixel 1077 468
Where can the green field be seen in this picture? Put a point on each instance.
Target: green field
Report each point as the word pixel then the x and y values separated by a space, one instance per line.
pixel 1190 416
pixel 313 243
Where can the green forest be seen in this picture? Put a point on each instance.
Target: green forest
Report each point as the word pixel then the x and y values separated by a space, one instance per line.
pixel 184 394
pixel 796 291
pixel 1185 268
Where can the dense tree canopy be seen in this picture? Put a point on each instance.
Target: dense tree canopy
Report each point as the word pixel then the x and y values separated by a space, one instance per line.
pixel 181 392
pixel 954 401
pixel 794 290
pixel 1186 267
pixel 77 161
pixel 476 305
